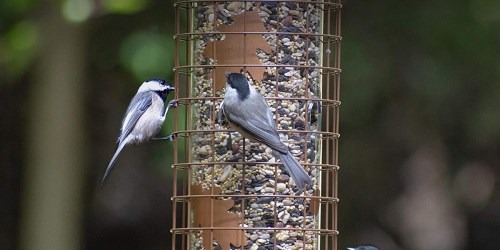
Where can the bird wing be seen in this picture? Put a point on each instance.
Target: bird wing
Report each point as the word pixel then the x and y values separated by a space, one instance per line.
pixel 258 125
pixel 139 104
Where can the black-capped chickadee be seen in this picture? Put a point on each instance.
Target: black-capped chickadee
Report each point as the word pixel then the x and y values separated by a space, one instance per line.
pixel 362 248
pixel 144 116
pixel 247 111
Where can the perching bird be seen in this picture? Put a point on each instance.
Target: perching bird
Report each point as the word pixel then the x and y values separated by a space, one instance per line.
pixel 362 248
pixel 144 116
pixel 247 111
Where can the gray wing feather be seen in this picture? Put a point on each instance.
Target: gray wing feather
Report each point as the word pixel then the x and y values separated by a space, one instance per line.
pixel 258 125
pixel 139 104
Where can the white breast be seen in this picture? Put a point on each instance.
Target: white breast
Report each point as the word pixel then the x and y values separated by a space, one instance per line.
pixel 150 122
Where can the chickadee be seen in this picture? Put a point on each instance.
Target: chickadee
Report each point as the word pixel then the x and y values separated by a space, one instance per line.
pixel 362 248
pixel 144 116
pixel 247 111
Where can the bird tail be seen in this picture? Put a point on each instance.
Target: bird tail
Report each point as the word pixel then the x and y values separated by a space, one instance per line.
pixel 113 160
pixel 296 171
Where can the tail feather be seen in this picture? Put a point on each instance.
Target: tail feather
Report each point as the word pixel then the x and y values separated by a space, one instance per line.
pixel 113 160
pixel 297 172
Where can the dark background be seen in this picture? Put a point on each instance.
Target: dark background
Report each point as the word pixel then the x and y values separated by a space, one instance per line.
pixel 419 151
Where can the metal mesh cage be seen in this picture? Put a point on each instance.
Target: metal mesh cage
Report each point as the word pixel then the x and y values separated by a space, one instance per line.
pixel 230 192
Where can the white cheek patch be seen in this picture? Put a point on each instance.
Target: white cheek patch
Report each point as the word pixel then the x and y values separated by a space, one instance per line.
pixel 231 96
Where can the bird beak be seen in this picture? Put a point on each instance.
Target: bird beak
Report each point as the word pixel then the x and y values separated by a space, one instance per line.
pixel 227 74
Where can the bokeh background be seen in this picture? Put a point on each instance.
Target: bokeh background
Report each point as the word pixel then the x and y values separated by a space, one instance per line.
pixel 420 124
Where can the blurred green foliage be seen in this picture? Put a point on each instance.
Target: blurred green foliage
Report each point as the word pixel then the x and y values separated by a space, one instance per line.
pixel 18 46
pixel 147 54
pixel 77 10
pixel 125 6
pixel 143 53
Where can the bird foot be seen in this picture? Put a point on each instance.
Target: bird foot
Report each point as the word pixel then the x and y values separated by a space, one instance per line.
pixel 171 137
pixel 173 103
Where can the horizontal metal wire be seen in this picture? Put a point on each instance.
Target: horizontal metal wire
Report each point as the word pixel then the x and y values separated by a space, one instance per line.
pixel 326 135
pixel 335 4
pixel 321 199
pixel 187 165
pixel 336 38
pixel 243 65
pixel 329 102
pixel 322 231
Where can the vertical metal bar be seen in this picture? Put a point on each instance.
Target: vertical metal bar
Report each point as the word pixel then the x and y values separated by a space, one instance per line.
pixel 276 113
pixel 187 183
pixel 176 85
pixel 337 98
pixel 306 109
pixel 328 128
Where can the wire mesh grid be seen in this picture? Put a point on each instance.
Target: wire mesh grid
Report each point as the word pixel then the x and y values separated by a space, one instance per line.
pixel 230 192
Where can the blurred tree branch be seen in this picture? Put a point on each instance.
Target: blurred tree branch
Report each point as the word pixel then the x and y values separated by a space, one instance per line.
pixel 53 183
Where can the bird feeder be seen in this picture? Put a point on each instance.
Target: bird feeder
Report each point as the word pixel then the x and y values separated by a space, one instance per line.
pixel 230 192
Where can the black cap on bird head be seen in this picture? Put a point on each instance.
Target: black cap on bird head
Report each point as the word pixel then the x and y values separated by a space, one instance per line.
pixel 162 82
pixel 158 85
pixel 240 83
pixel 159 80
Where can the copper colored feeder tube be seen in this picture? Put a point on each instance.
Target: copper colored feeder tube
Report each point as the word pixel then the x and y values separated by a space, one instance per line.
pixel 228 192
